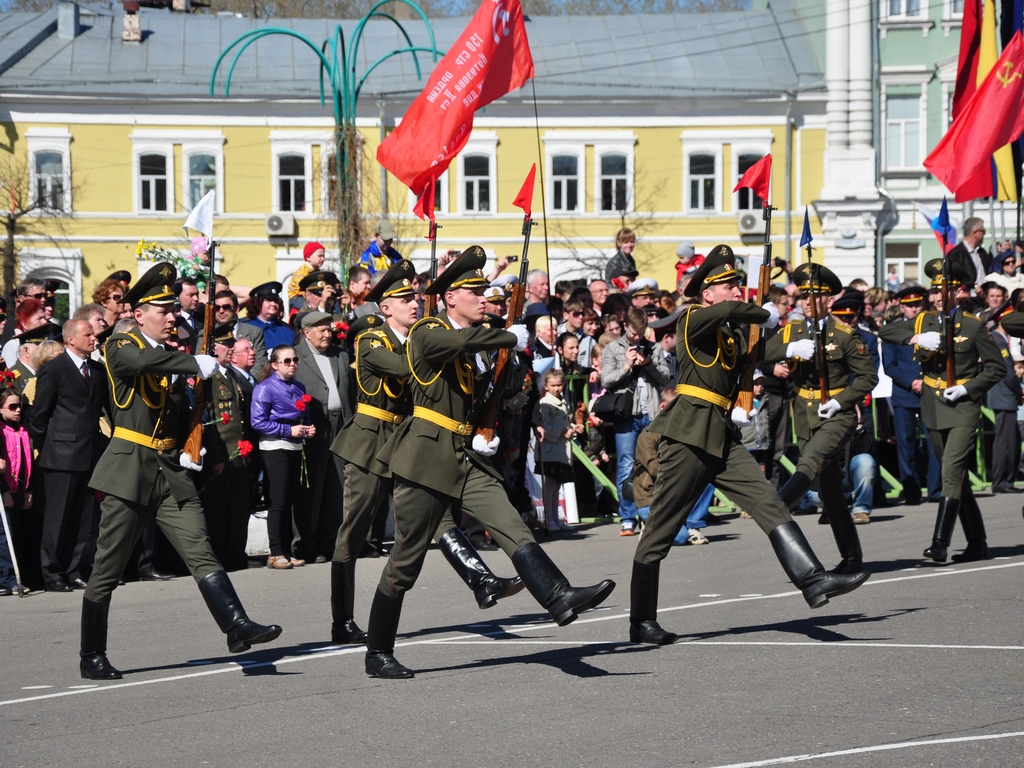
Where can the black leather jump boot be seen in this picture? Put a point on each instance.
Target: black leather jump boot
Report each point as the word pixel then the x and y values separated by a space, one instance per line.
pixel 551 589
pixel 385 613
pixel 945 521
pixel 344 630
pixel 227 609
pixel 833 501
pixel 463 557
pixel 804 569
pixel 793 492
pixel 643 606
pixel 974 530
pixel 94 664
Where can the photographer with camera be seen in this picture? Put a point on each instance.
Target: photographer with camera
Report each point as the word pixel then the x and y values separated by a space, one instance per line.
pixel 633 370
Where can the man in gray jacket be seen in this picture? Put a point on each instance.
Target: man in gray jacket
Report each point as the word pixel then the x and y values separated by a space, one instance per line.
pixel 636 364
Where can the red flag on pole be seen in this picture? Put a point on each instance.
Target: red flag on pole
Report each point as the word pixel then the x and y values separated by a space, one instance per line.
pixel 992 118
pixel 490 58
pixel 758 178
pixel 524 199
pixel 967 62
pixel 425 203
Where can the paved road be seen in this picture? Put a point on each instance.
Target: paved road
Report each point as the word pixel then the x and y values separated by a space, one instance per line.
pixel 922 666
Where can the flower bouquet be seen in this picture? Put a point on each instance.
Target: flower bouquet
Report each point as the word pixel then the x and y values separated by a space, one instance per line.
pixel 188 265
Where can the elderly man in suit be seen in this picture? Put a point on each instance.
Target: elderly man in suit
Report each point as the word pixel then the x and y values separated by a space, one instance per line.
pixel 71 395
pixel 323 370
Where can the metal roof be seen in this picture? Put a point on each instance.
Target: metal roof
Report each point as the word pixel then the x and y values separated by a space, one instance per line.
pixel 721 56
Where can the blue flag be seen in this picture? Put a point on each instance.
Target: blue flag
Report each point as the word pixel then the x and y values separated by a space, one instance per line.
pixel 805 238
pixel 942 223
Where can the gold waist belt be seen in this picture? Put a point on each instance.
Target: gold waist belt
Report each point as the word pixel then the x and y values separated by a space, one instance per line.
pixel 931 381
pixel 145 440
pixel 379 413
pixel 442 421
pixel 814 394
pixel 703 394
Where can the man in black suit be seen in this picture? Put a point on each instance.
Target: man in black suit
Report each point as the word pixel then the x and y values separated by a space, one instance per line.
pixel 71 395
pixel 323 370
pixel 969 254
pixel 190 319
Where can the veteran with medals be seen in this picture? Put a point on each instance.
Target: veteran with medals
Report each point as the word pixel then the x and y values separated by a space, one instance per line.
pixel 383 402
pixel 438 463
pixel 823 430
pixel 700 444
pixel 145 476
pixel 951 413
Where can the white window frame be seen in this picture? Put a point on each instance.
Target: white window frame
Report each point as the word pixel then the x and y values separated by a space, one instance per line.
pixel 480 143
pixel 602 150
pixel 215 147
pixel 292 143
pixel 580 153
pixel 922 14
pixel 167 150
pixel 691 148
pixel 760 148
pixel 950 14
pixel 56 140
pixel 441 203
pixel 57 264
pixel 909 164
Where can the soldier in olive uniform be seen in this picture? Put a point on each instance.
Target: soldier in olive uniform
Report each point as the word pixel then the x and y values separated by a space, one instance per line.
pixel 382 401
pixel 701 444
pixel 436 467
pixel 951 413
pixel 225 476
pixel 823 429
pixel 144 474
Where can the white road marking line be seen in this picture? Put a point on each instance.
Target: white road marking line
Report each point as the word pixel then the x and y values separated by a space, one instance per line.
pixel 791 643
pixel 708 595
pixel 755 594
pixel 35 687
pixel 236 666
pixel 876 748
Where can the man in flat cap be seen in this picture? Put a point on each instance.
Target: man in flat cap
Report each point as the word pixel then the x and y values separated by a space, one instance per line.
pixel 951 412
pixel 379 255
pixel 438 463
pixel 902 365
pixel 823 429
pixel 145 475
pixel 701 444
pixel 382 402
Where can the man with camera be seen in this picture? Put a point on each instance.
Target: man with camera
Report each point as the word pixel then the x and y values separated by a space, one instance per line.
pixel 636 365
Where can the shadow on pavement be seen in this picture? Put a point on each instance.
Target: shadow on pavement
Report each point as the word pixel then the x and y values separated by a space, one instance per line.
pixel 816 628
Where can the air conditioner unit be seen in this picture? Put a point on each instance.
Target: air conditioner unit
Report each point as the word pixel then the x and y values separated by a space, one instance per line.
pixel 750 223
pixel 280 225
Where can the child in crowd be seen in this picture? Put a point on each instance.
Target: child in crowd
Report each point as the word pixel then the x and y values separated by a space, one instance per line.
pixel 313 255
pixel 554 461
pixel 16 471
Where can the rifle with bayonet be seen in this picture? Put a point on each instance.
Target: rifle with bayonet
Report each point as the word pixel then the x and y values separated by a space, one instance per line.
pixel 194 443
pixel 755 340
pixel 820 359
pixel 430 300
pixel 946 316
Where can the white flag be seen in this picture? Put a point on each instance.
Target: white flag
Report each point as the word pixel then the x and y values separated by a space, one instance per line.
pixel 201 217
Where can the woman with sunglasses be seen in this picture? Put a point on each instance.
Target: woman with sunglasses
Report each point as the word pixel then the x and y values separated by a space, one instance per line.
pixel 109 295
pixel 278 415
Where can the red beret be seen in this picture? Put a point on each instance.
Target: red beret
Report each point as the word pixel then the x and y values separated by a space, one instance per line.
pixel 310 248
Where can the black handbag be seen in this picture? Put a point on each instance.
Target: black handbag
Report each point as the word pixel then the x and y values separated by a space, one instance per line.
pixel 614 406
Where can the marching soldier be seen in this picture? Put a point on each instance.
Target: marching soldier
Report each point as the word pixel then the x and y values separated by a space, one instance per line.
pixel 144 474
pixel 823 430
pixel 382 401
pixel 436 467
pixel 951 414
pixel 701 444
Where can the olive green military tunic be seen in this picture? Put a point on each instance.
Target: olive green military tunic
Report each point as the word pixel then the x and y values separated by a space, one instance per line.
pixel 847 357
pixel 429 453
pixel 139 472
pixel 978 366
pixel 699 442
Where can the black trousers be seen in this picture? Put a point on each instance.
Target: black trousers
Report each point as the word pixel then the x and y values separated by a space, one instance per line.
pixel 67 524
pixel 1005 449
pixel 225 500
pixel 282 468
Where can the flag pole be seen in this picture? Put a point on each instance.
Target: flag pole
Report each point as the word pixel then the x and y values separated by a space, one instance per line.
pixel 541 163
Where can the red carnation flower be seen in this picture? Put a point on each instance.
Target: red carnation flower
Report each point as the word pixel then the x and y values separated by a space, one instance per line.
pixel 300 405
pixel 307 398
pixel 244 448
pixel 225 418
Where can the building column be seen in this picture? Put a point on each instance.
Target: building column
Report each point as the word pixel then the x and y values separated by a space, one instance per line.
pixel 837 73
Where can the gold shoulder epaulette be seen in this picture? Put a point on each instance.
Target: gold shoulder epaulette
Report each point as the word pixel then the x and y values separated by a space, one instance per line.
pixel 973 317
pixel 847 329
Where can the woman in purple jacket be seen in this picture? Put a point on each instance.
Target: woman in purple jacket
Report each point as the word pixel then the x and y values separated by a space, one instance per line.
pixel 279 415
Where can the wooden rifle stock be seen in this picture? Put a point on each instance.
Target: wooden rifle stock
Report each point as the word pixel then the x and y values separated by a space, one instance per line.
pixel 947 319
pixel 820 359
pixel 194 442
pixel 755 341
pixel 430 299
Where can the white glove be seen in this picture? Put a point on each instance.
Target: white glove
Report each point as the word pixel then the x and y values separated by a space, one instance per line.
pixel 829 409
pixel 207 365
pixel 952 394
pixel 739 416
pixel 773 311
pixel 522 336
pixel 804 349
pixel 481 446
pixel 186 461
pixel 929 340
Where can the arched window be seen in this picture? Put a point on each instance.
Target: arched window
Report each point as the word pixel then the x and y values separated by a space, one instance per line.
pixel 476 173
pixel 291 180
pixel 613 182
pixel 202 177
pixel 702 182
pixel 153 178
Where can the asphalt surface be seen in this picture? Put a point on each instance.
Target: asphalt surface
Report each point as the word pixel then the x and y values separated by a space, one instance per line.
pixel 922 666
